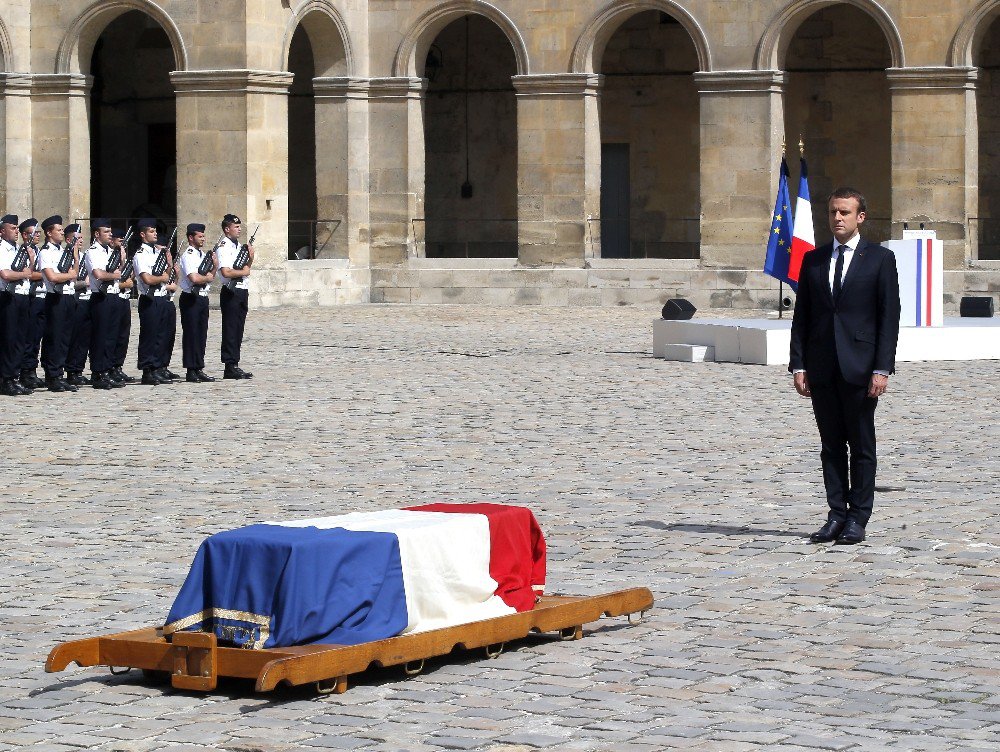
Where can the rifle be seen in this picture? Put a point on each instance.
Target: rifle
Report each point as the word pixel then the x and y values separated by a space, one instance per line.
pixel 243 257
pixel 82 272
pixel 160 265
pixel 20 262
pixel 66 260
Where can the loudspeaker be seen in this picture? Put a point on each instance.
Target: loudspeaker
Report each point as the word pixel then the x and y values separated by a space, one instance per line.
pixel 678 309
pixel 976 308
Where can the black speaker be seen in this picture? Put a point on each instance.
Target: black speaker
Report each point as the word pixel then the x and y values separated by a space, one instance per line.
pixel 678 309
pixel 980 308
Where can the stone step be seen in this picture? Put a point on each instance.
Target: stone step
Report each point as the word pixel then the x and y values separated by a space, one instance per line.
pixel 689 353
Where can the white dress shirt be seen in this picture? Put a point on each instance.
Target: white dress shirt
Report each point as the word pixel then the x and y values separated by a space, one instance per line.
pixel 228 250
pixel 852 246
pixel 7 253
pixel 97 257
pixel 143 262
pixel 190 262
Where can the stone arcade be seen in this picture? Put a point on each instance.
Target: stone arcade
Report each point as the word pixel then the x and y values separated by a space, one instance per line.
pixel 573 152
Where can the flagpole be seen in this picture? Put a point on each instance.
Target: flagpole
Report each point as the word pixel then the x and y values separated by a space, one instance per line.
pixel 781 285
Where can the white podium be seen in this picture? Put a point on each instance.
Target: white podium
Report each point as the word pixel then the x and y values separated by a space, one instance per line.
pixel 920 262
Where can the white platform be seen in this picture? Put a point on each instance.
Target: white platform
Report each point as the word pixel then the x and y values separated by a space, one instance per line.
pixel 765 341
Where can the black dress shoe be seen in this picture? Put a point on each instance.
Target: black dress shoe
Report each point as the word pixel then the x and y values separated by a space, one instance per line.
pixel 828 532
pixel 202 376
pixel 56 385
pixel 168 373
pixel 30 381
pixel 192 376
pixel 151 378
pixel 853 534
pixel 123 377
pixel 232 372
pixel 77 379
pixel 67 387
pixel 10 388
pixel 103 381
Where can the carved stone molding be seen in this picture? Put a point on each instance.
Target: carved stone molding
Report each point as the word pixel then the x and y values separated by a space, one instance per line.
pixel 740 82
pixel 558 85
pixel 231 82
pixel 917 79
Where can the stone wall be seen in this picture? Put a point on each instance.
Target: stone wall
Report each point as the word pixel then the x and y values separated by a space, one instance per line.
pixel 703 97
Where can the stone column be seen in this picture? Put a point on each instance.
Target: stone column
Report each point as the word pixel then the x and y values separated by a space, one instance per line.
pixel 558 167
pixel 396 164
pixel 15 128
pixel 935 155
pixel 741 135
pixel 342 174
pixel 232 153
pixel 60 138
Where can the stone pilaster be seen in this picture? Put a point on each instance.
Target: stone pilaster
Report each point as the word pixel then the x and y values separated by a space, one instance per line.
pixel 396 163
pixel 15 129
pixel 60 140
pixel 232 152
pixel 935 154
pixel 559 167
pixel 342 169
pixel 741 135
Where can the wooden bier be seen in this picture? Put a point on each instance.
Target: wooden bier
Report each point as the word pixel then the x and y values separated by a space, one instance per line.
pixel 195 661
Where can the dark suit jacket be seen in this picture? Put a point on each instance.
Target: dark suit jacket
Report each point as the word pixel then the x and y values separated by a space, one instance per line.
pixel 858 334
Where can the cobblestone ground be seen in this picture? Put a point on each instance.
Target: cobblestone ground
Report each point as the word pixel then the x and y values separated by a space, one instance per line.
pixel 699 481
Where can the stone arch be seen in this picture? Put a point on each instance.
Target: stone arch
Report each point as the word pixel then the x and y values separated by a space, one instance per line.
pixel 73 55
pixel 6 49
pixel 590 46
pixel 969 36
pixel 320 19
pixel 413 49
pixel 774 43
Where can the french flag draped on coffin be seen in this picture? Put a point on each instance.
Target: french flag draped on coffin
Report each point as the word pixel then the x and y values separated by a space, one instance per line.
pixel 361 577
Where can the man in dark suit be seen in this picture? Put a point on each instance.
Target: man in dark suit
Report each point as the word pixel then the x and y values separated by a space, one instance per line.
pixel 843 350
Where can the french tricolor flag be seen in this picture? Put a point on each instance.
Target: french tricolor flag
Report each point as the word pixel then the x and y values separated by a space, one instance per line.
pixel 920 264
pixel 361 577
pixel 803 232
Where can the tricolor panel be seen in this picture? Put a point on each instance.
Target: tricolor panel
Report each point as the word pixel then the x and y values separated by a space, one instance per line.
pixel 360 577
pixel 921 275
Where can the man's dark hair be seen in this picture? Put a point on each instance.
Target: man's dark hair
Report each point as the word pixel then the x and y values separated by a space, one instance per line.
pixel 850 193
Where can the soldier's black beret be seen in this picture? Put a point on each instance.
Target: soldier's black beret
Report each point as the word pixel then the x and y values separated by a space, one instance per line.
pixel 195 227
pixel 99 222
pixel 231 219
pixel 27 223
pixel 50 222
pixel 145 223
pixel 118 233
pixel 72 228
pixel 9 219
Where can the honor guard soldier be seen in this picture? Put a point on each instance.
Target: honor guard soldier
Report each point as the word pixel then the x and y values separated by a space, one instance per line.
pixel 154 308
pixel 234 297
pixel 15 275
pixel 34 328
pixel 104 270
pixel 123 305
pixel 196 275
pixel 58 267
pixel 79 344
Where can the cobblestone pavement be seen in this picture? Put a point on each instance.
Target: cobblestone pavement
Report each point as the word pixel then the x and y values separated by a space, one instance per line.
pixel 699 481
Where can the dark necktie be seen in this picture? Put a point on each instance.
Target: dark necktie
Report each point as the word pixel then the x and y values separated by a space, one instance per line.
pixel 838 272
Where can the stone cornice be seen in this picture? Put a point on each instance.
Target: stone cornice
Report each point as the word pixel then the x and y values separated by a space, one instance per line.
pixel 396 87
pixel 341 87
pixel 231 81
pixel 45 84
pixel 558 85
pixel 941 77
pixel 740 82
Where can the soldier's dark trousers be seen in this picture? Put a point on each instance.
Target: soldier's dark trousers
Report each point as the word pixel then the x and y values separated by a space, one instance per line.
pixel 13 316
pixel 79 345
pixel 59 311
pixel 234 305
pixel 155 325
pixel 103 331
pixel 33 333
pixel 194 321
pixel 123 329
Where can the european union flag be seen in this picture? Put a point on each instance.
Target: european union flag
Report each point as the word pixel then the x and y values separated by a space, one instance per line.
pixel 779 241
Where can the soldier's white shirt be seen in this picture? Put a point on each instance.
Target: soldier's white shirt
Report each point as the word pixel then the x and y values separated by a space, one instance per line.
pixel 49 257
pixel 190 261
pixel 228 250
pixel 143 262
pixel 7 253
pixel 24 286
pixel 39 286
pixel 97 257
